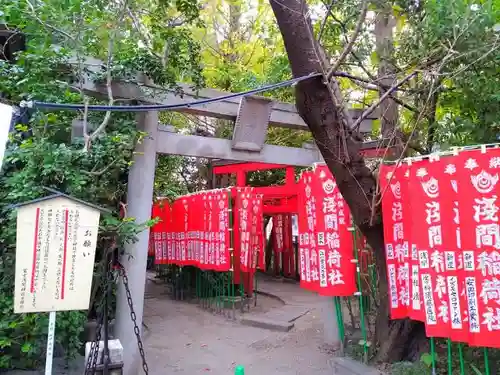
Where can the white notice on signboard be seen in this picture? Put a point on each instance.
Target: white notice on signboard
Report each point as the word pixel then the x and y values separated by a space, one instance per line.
pixel 55 251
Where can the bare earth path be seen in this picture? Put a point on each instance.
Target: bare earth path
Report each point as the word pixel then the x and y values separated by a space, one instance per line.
pixel 182 338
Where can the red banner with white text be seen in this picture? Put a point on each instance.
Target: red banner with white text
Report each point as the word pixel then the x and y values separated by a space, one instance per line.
pixel 334 240
pixel 194 231
pixel 451 206
pixel 288 259
pixel 326 253
pixel 477 178
pixel 308 259
pixel 393 187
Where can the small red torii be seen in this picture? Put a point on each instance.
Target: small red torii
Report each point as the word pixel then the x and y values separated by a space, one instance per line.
pixel 282 198
pixel 277 199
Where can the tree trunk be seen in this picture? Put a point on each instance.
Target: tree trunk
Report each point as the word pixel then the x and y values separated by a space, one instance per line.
pixel 340 148
pixel 384 25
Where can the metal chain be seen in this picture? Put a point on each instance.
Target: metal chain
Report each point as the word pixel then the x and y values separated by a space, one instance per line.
pixel 94 349
pixel 137 332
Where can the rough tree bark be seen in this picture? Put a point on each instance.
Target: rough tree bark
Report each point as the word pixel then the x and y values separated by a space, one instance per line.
pixel 384 43
pixel 354 179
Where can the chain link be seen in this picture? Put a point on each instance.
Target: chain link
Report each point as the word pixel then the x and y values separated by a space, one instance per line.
pixel 133 316
pixel 94 349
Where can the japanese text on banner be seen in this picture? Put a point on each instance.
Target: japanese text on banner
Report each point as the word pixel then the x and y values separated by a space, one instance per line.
pixel 477 178
pixel 334 240
pixel 393 184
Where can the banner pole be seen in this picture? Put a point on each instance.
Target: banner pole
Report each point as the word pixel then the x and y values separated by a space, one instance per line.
pixel 450 364
pixel 340 323
pixel 50 343
pixel 461 358
pixel 486 362
pixel 360 293
pixel 433 356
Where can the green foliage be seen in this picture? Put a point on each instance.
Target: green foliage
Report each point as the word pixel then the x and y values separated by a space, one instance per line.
pixel 41 153
pixel 426 359
pixel 168 180
pixel 476 370
pixel 462 40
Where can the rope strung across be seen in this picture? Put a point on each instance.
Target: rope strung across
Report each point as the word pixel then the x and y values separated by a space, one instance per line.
pixel 163 107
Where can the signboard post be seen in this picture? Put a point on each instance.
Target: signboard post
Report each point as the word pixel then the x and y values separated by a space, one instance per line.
pixel 50 343
pixel 55 251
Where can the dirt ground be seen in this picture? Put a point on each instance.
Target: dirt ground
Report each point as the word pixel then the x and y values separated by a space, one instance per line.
pixel 183 338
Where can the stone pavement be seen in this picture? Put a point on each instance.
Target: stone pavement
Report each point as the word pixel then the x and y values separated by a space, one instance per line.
pixel 296 303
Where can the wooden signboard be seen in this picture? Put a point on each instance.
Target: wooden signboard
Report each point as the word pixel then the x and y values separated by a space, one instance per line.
pixel 55 250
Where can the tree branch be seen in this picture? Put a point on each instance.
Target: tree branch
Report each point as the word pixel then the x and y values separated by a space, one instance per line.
pixel 109 89
pixel 109 81
pixel 323 24
pixel 356 57
pixel 348 47
pixel 381 99
pixel 48 26
pixel 102 171
pixel 394 98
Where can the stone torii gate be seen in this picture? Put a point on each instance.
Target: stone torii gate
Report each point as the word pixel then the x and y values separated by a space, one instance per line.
pixel 252 116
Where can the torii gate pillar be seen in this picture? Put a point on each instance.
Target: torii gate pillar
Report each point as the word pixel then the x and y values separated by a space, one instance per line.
pixel 139 201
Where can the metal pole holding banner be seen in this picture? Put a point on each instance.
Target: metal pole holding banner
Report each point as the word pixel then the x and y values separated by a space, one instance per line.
pixel 50 343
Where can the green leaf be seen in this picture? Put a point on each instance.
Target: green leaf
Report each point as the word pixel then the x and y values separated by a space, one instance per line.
pixel 5 342
pixel 397 8
pixel 476 370
pixel 426 359
pixel 26 347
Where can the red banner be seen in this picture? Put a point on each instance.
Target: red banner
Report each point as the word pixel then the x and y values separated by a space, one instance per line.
pixel 223 223
pixel 161 210
pixel 151 244
pixel 261 237
pixel 288 259
pixel 457 302
pixel 155 235
pixel 477 178
pixel 309 271
pixel 451 206
pixel 257 234
pixel 432 215
pixel 333 239
pixel 194 231
pixel 393 185
pixel 243 215
pixel 278 242
pixel 326 256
